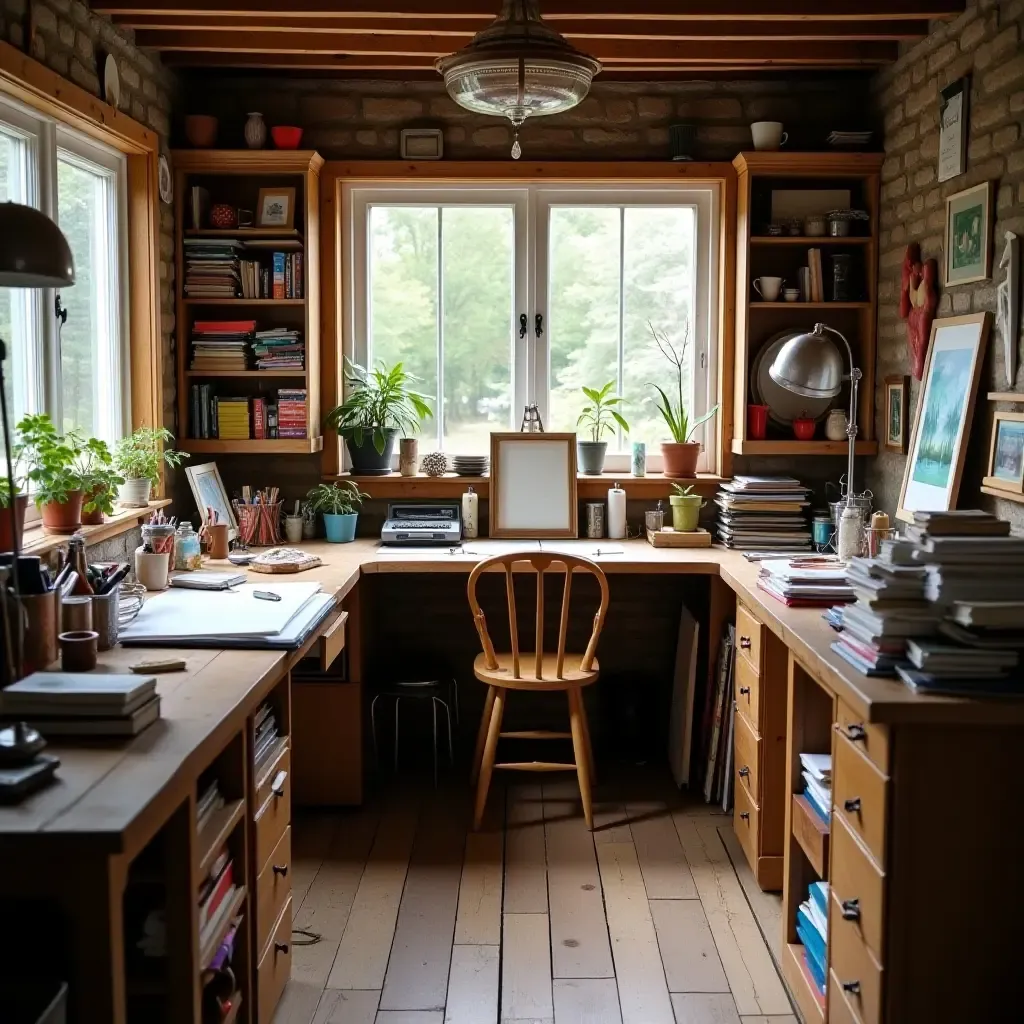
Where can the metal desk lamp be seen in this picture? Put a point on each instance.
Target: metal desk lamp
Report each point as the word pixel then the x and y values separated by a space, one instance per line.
pixel 811 365
pixel 33 254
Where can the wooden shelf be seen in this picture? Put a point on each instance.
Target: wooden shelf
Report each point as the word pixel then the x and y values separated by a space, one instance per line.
pixel 758 304
pixel 269 446
pixel 809 1001
pixel 245 373
pixel 207 952
pixel 215 834
pixel 244 302
pixel 285 234
pixel 1006 396
pixel 794 447
pixel 811 833
pixel 810 240
pixel 998 492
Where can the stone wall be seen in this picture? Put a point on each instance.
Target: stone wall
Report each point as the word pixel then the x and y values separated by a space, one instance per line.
pixel 985 42
pixel 618 120
pixel 69 39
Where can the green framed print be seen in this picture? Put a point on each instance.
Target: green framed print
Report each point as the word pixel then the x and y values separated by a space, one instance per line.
pixel 969 235
pixel 897 407
pixel 1006 453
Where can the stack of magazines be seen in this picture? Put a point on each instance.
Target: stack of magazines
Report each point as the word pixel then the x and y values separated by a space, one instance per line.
pixel 812 930
pixel 764 513
pixel 816 770
pixel 812 582
pixel 265 735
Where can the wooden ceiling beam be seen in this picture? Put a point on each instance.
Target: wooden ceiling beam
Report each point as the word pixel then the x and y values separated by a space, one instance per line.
pixel 556 10
pixel 458 32
pixel 664 51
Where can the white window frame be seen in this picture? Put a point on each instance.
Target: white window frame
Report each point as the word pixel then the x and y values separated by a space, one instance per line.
pixel 532 203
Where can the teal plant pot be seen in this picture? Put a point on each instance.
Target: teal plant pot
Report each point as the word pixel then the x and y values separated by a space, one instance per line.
pixel 341 529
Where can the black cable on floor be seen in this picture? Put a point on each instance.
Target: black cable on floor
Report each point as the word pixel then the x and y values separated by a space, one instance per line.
pixel 309 938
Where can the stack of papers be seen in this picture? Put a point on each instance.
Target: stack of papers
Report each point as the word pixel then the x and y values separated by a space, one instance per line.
pixel 812 929
pixel 764 513
pixel 816 581
pixel 817 775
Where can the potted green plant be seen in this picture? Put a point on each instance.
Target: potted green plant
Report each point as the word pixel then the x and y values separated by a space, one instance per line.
pixel 680 455
pixel 51 462
pixel 137 458
pixel 339 505
pixel 597 418
pixel 686 508
pixel 100 482
pixel 380 404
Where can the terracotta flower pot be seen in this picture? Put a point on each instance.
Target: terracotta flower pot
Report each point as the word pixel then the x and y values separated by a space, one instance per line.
pixel 6 534
pixel 95 517
pixel 201 130
pixel 63 518
pixel 680 459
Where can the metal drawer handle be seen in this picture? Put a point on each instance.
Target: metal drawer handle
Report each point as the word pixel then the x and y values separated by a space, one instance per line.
pixel 744 772
pixel 745 690
pixel 281 869
pixel 856 733
pixel 745 815
pixel 277 787
pixel 745 642
pixel 851 910
pixel 282 947
pixel 853 806
pixel 853 987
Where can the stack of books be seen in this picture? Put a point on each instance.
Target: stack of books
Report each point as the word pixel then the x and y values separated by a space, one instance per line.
pixel 202 411
pixel 210 801
pixel 287 275
pixel 265 736
pixel 812 930
pixel 817 774
pixel 813 582
pixel 216 896
pixel 764 513
pixel 221 345
pixel 211 268
pixel 233 419
pixel 279 348
pixel 291 412
pixel 255 279
pixel 83 704
pixel 890 607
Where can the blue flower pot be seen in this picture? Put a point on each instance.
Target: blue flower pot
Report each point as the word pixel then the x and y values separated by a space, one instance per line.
pixel 340 529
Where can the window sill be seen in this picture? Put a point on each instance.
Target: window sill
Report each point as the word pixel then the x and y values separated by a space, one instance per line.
pixel 37 541
pixel 589 488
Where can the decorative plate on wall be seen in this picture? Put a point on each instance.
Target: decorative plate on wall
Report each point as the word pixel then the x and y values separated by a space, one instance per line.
pixel 164 179
pixel 111 82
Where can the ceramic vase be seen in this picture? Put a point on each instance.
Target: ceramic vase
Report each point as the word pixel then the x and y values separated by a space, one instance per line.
pixel 408 456
pixel 255 131
pixel 293 529
pixel 835 425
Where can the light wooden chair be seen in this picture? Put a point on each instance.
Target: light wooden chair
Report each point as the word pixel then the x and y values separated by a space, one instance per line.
pixel 536 670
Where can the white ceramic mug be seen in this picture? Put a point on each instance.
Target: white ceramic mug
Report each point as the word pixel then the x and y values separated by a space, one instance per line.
pixel 768 135
pixel 293 529
pixel 768 287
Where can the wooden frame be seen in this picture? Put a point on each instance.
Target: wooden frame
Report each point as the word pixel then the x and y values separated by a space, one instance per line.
pixel 935 495
pixel 956 133
pixel 1004 483
pixel 209 470
pixel 986 190
pixel 266 194
pixel 897 389
pixel 563 520
pixel 421 143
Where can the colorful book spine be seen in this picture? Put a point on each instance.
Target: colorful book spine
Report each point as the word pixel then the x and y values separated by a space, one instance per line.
pixel 297 276
pixel 279 276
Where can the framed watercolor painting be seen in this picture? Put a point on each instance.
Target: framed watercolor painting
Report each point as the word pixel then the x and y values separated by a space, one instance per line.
pixel 969 235
pixel 897 408
pixel 1006 453
pixel 938 441
pixel 208 490
pixel 276 208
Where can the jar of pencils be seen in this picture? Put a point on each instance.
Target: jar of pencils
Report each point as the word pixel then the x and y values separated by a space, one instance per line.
pixel 259 525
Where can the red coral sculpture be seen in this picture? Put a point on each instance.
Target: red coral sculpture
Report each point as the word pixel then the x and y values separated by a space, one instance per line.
pixel 919 299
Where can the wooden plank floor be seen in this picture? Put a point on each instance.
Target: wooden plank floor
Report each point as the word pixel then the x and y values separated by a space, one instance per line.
pixel 533 920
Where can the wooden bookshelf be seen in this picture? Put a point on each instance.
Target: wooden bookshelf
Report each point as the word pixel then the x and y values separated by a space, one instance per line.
pixel 235 177
pixel 757 254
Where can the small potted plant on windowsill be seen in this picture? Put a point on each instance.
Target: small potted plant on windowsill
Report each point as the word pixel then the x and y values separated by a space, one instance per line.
pixel 52 471
pixel 11 525
pixel 100 482
pixel 686 508
pixel 597 418
pixel 380 406
pixel 339 505
pixel 137 458
pixel 680 455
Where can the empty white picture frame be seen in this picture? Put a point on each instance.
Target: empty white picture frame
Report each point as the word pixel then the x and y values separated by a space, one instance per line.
pixel 533 485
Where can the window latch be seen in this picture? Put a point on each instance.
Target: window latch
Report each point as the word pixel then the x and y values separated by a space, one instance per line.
pixel 523 322
pixel 539 324
pixel 60 311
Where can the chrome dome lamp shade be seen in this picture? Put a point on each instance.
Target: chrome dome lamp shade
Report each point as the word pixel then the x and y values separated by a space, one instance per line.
pixel 518 67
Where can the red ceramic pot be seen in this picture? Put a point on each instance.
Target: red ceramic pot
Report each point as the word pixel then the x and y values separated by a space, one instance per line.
pixel 757 422
pixel 285 136
pixel 803 429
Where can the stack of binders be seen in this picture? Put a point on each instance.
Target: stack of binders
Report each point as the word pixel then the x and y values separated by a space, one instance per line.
pixel 812 929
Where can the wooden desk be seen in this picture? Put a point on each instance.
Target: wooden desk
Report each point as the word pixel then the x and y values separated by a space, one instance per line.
pixel 947 784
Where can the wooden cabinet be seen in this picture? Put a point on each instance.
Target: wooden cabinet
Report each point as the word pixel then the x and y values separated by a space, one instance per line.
pixel 759 745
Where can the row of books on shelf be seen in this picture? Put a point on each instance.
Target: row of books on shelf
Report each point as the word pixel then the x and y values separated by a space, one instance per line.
pixel 228 346
pixel 217 898
pixel 282 279
pixel 243 419
pixel 214 269
pixel 812 930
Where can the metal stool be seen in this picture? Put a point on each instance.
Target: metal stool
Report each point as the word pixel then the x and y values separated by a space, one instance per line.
pixel 437 691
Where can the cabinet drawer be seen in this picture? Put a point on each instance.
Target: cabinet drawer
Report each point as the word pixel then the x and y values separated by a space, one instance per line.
pixel 274 807
pixel 275 968
pixel 859 793
pixel 745 824
pixel 273 887
pixel 839 1010
pixel 872 739
pixel 332 641
pixel 856 974
pixel 748 692
pixel 859 888
pixel 748 637
pixel 747 758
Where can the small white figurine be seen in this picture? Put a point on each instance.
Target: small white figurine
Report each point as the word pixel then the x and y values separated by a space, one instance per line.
pixel 1008 305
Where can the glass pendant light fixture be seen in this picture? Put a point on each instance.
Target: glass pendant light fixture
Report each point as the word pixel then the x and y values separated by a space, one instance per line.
pixel 518 67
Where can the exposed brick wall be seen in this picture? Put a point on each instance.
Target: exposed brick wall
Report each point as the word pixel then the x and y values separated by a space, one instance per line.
pixel 985 42
pixel 74 42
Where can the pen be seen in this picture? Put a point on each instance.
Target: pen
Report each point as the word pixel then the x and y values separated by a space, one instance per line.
pixel 266 595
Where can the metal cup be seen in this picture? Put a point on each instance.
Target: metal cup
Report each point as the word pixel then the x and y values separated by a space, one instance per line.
pixel 104 618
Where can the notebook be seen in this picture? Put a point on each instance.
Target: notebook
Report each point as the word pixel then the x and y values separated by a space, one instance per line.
pixel 72 693
pixel 208 580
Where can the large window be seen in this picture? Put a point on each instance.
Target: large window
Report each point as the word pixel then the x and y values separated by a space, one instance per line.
pixel 67 351
pixel 498 298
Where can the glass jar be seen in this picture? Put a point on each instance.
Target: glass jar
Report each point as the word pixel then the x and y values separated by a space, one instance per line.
pixel 187 554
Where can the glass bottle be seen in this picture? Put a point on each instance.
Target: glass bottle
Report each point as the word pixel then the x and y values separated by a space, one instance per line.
pixel 187 553
pixel 76 556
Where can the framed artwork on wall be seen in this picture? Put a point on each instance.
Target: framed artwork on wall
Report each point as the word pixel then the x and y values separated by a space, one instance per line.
pixel 1006 453
pixel 969 235
pixel 938 441
pixel 533 485
pixel 276 208
pixel 897 407
pixel 953 123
